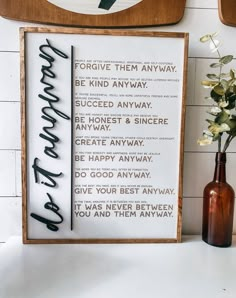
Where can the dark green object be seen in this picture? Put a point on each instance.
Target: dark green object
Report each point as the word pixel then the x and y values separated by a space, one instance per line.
pixel 106 4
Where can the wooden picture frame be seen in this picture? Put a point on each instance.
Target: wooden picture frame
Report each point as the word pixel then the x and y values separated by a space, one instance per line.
pixel 102 135
pixel 95 13
pixel 226 10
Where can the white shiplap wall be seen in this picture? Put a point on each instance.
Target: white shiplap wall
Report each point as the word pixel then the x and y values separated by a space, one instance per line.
pixel 201 17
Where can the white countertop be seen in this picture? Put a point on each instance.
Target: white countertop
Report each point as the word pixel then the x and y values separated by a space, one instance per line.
pixel 191 269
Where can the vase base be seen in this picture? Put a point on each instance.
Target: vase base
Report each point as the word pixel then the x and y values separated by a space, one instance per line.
pixel 215 244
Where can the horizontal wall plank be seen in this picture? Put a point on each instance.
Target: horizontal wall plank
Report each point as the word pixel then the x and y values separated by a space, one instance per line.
pixel 9 76
pixel 10 214
pixel 7 174
pixel 10 125
pixel 9 32
pixel 191 80
pixel 18 174
pixel 202 3
pixel 192 216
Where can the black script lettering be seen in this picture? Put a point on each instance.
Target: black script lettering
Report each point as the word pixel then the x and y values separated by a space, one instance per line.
pixel 51 224
pixel 49 97
pixel 49 136
pixel 49 114
pixel 45 173
pixel 46 70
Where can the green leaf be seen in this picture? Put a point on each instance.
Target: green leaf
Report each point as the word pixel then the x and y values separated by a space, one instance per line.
pixel 232 73
pixel 216 97
pixel 205 38
pixel 224 84
pixel 212 76
pixel 233 134
pixel 219 89
pixel 222 117
pixel 209 83
pixel 210 121
pixel 230 98
pixel 214 34
pixel 232 124
pixel 215 65
pixel 226 59
pixel 224 75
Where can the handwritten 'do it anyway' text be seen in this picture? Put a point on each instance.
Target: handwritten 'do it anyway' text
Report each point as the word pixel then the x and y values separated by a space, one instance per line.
pixel 51 115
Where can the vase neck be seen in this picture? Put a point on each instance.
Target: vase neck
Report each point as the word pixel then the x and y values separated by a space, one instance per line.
pixel 220 173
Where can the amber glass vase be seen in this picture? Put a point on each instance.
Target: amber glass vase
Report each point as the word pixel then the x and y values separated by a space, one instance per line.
pixel 218 207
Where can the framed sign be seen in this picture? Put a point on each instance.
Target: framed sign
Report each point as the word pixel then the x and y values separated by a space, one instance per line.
pixel 95 13
pixel 102 135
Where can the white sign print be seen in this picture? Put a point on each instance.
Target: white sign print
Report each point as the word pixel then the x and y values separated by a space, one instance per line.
pixel 95 7
pixel 104 136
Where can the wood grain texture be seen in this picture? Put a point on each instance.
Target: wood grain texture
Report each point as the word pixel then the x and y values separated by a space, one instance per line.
pixel 145 13
pixel 227 10
pixel 181 157
pixel 23 137
pixel 98 241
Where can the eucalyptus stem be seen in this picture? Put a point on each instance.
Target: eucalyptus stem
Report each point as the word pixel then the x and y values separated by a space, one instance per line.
pixel 223 92
pixel 218 52
pixel 227 142
pixel 219 144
